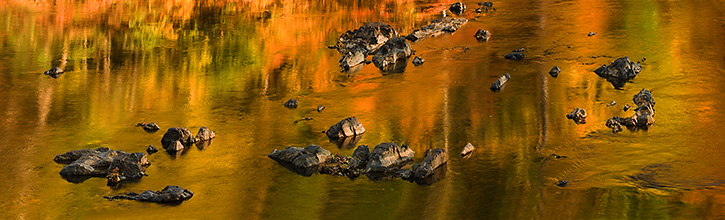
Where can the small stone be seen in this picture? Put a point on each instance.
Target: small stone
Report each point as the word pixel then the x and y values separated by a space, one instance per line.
pixel 519 50
pixel 591 34
pixel 557 156
pixel 482 35
pixel 291 103
pixel 554 72
pixel 151 149
pixel 151 127
pixel 55 72
pixel 320 108
pixel 417 61
pixel 626 107
pixel 579 116
pixel 500 82
pixel 468 149
pixel 562 183
pixel 612 103
pixel 514 56
pixel 457 8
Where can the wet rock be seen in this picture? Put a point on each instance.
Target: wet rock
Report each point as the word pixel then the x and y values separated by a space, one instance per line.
pixel 393 51
pixel 102 161
pixel 643 116
pixel 554 72
pixel 417 61
pixel 351 59
pixel 345 128
pixel 405 174
pixel 480 10
pixel 514 56
pixel 291 103
pixel 519 50
pixel 149 127
pixel 612 103
pixel 591 34
pixel 500 82
pixel 578 115
pixel 366 39
pixel 55 72
pixel 175 146
pixel 644 58
pixel 388 155
pixel 204 134
pixel 179 134
pixel 482 35
pixel 626 107
pixel 201 145
pixel 320 108
pixel 487 4
pixel 151 149
pixel 457 8
pixel 619 72
pixel 433 159
pixel 468 149
pixel 307 157
pixel 562 183
pixel 360 157
pixel 436 27
pixel 170 194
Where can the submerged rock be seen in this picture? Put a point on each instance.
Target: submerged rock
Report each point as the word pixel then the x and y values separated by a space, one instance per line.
pixel 482 35
pixel 204 134
pixel 619 72
pixel 643 116
pixel 395 50
pixel 579 116
pixel 301 158
pixel 457 8
pixel 345 128
pixel 388 155
pixel 417 61
pixel 500 82
pixel 514 56
pixel 291 103
pixel 433 159
pixel 468 149
pixel 554 72
pixel 170 194
pixel 101 162
pixel 437 27
pixel 55 72
pixel 182 135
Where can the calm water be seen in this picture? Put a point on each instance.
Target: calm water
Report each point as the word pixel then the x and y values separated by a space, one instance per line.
pixel 228 66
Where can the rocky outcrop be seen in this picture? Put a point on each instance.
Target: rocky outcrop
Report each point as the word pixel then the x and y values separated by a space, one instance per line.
pixel 437 27
pixel 388 155
pixel 394 52
pixel 101 162
pixel 170 194
pixel 307 157
pixel 345 128
pixel 498 84
pixel 433 159
pixel 619 72
pixel 482 35
pixel 579 116
pixel 55 72
pixel 643 116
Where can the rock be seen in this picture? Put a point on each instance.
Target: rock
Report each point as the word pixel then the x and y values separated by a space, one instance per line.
pixel 644 58
pixel 151 149
pixel 101 162
pixel 345 128
pixel 291 103
pixel 366 39
pixel 201 145
pixel 578 115
pixel 612 103
pixel 182 135
pixel 150 127
pixel 433 159
pixel 360 157
pixel 557 156
pixel 514 56
pixel 436 27
pixel 500 82
pixel 519 50
pixel 405 174
pixel 468 149
pixel 591 34
pixel 562 183
pixel 393 51
pixel 619 72
pixel 320 108
pixel 351 59
pixel 301 158
pixel 204 134
pixel 175 146
pixel 417 61
pixel 487 4
pixel 55 72
pixel 643 115
pixel 170 194
pixel 554 72
pixel 626 107
pixel 482 35
pixel 457 8
pixel 388 155
pixel 480 10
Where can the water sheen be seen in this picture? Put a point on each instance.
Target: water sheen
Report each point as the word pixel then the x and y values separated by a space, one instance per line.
pixel 229 66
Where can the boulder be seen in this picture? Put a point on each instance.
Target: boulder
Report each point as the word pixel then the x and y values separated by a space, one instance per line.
pixel 345 128
pixel 433 159
pixel 554 72
pixel 307 157
pixel 417 61
pixel 388 155
pixel 360 157
pixel 579 116
pixel 151 149
pixel 393 51
pixel 498 84
pixel 291 103
pixel 619 72
pixel 170 194
pixel 55 72
pixel 457 8
pixel 437 27
pixel 101 162
pixel 182 135
pixel 514 56
pixel 204 134
pixel 468 149
pixel 482 35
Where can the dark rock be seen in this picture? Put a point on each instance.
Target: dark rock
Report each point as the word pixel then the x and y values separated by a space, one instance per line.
pixel 619 72
pixel 320 108
pixel 151 149
pixel 433 159
pixel 366 39
pixel 345 128
pixel 360 157
pixel 179 134
pixel 291 103
pixel 436 27
pixel 201 145
pixel 482 35
pixel 562 183
pixel 519 50
pixel 500 82
pixel 175 146
pixel 487 4
pixel 644 58
pixel 405 174
pixel 578 115
pixel 74 155
pixel 55 72
pixel 388 155
pixel 591 34
pixel 613 103
pixel 149 127
pixel 468 149
pixel 351 59
pixel 554 72
pixel 304 119
pixel 131 166
pixel 101 162
pixel 438 175
pixel 557 156
pixel 457 8
pixel 643 115
pixel 417 61
pixel 514 56
pixel 307 157
pixel 626 107
pixel 204 134
pixel 170 194
pixel 393 51
pixel 480 10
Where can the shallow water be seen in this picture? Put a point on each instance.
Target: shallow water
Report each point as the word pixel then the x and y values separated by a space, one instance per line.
pixel 229 66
